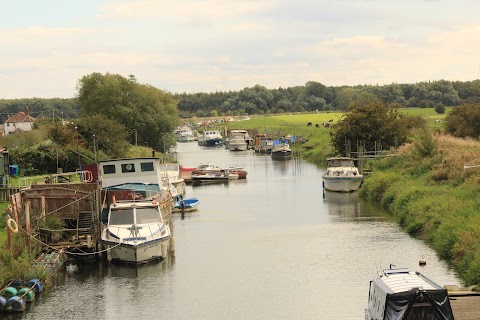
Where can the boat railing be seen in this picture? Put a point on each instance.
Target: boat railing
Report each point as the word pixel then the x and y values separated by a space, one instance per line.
pixel 85 176
pixel 133 230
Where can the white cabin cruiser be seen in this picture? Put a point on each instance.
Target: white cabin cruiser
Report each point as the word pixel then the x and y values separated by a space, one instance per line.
pixel 184 134
pixel 136 232
pixel 341 175
pixel 400 294
pixel 134 190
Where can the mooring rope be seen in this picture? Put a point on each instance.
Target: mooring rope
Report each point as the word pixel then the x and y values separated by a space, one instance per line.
pixel 65 251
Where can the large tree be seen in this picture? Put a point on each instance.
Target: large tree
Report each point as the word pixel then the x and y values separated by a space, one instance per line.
pixel 371 123
pixel 150 114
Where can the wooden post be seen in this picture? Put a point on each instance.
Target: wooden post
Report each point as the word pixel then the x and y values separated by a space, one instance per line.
pixel 27 226
pixel 9 240
pixel 43 213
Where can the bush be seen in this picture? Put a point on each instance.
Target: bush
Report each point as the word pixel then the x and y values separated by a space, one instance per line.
pixel 440 108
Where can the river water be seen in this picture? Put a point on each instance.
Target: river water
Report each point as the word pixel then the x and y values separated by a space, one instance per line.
pixel 272 246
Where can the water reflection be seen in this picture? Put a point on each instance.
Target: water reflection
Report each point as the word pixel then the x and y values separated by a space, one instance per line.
pixel 152 269
pixel 273 246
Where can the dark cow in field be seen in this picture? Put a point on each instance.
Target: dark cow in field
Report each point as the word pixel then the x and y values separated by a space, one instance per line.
pixel 316 125
pixel 309 124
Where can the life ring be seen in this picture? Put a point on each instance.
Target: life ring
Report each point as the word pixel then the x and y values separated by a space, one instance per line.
pixel 12 225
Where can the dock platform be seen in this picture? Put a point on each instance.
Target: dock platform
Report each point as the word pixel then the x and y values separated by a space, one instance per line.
pixel 465 304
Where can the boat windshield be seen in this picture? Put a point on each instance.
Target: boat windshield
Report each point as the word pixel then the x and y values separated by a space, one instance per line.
pixel 121 216
pixel 148 215
pixel 341 163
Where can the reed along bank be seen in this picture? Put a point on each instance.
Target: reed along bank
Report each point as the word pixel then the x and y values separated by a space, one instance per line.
pixel 432 188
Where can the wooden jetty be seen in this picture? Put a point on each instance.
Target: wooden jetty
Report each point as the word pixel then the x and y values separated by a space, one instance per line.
pixel 59 213
pixel 465 307
pixel 465 302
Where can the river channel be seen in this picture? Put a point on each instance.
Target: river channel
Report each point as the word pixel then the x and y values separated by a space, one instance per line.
pixel 272 246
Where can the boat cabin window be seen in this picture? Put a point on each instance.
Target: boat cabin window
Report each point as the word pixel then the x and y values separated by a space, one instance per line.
pixel 109 169
pixel 128 167
pixel 146 166
pixel 147 215
pixel 121 216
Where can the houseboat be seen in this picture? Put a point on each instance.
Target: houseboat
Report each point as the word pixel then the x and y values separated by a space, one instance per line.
pixel 405 295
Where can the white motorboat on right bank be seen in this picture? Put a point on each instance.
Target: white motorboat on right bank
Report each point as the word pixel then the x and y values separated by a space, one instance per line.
pixel 341 175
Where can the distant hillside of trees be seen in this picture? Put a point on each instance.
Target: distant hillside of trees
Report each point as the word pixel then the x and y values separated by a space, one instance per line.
pixel 316 96
pixel 260 100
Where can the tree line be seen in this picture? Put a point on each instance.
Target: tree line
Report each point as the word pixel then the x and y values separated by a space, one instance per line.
pixel 315 96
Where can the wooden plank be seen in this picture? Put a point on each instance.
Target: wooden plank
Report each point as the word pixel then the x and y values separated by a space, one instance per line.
pixel 465 307
pixel 64 196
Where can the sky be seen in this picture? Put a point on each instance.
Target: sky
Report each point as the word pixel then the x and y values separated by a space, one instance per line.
pixel 227 45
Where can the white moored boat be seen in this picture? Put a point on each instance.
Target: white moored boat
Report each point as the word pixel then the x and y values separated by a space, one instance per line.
pixel 136 216
pixel 184 134
pixel 237 143
pixel 135 232
pixel 400 294
pixel 341 175
pixel 239 140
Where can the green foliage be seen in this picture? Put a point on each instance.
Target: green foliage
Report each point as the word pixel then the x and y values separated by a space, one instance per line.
pixel 440 108
pixel 150 111
pixel 40 108
pixel 371 122
pixel 464 121
pixel 28 138
pixel 99 133
pixel 44 158
pixel 424 143
pixel 20 265
pixel 373 189
pixel 444 213
pixel 315 96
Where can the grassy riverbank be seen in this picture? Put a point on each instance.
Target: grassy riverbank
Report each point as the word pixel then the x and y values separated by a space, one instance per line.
pixel 428 192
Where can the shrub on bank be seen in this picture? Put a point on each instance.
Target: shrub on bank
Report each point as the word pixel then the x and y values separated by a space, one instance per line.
pixel 20 265
pixel 432 198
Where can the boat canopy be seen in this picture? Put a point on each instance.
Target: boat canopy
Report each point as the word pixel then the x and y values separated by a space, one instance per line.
pixel 417 304
pixel 340 162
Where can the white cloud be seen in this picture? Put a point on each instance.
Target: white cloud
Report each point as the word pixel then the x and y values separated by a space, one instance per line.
pixel 207 11
pixel 202 46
